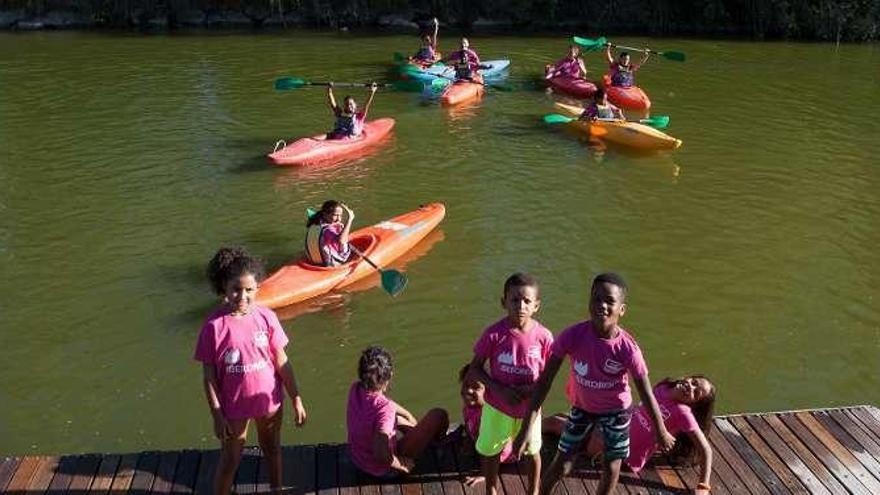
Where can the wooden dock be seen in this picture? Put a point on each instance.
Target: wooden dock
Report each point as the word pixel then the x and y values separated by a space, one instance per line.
pixel 828 451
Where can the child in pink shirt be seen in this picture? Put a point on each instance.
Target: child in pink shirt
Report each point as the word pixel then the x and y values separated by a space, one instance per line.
pixel 383 437
pixel 327 234
pixel 473 394
pixel 515 349
pixel 245 368
pixel 571 66
pixel 602 355
pixel 686 405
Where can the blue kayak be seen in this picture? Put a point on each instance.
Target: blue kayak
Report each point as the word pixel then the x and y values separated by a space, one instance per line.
pixel 497 70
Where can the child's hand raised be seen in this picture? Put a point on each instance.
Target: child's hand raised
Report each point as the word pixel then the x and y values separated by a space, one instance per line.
pixel 299 412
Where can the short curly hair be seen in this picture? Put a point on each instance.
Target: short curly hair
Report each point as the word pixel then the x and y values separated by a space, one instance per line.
pixel 230 263
pixel 375 368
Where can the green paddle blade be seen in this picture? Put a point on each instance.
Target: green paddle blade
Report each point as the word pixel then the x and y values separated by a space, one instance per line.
pixel 393 282
pixel 590 44
pixel 555 118
pixel 289 83
pixel 657 121
pixel 310 213
pixel 677 56
pixel 440 83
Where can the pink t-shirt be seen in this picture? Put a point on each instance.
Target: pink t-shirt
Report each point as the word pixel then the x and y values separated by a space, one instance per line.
pixel 368 413
pixel 472 416
pixel 515 358
pixel 331 246
pixel 567 67
pixel 598 382
pixel 242 350
pixel 677 418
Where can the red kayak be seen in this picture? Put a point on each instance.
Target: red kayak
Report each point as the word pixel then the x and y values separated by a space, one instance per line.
pixel 572 86
pixel 631 98
pixel 319 149
pixel 462 91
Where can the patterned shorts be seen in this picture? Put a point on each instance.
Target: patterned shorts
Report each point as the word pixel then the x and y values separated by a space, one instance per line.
pixel 613 426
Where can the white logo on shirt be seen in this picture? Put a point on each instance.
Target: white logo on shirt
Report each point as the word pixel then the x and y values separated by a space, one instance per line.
pixel 505 358
pixel 232 356
pixel 581 368
pixel 612 367
pixel 535 352
pixel 261 339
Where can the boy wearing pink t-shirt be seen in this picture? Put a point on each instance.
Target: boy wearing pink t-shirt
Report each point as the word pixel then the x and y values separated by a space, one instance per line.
pixel 245 367
pixel 384 438
pixel 515 350
pixel 602 355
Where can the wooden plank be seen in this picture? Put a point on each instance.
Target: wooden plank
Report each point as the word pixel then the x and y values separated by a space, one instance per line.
pixel 840 451
pixel 654 482
pixel 84 474
pixel 632 482
pixel 865 419
pixel 448 470
pixel 798 457
pixel 43 474
pixel 145 473
pixel 779 466
pixel 246 475
pixel 467 463
pixel 752 458
pixel 426 467
pixel 164 481
pixel 207 467
pixel 508 475
pixel 104 477
pixel 63 474
pixel 854 429
pixel 7 471
pixel 264 484
pixel 305 470
pixel 721 471
pixel 816 447
pixel 186 472
pixel 858 450
pixel 745 474
pixel 290 457
pixel 347 472
pixel 327 475
pixel 23 474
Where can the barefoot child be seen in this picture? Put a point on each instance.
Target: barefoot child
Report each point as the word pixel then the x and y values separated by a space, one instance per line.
pixel 602 355
pixel 384 438
pixel 515 349
pixel 327 235
pixel 686 405
pixel 245 368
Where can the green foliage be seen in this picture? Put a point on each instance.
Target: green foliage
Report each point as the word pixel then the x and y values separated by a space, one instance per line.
pixel 829 20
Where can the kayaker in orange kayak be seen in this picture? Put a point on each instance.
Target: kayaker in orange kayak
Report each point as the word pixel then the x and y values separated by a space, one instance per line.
pixel 601 109
pixel 623 72
pixel 466 61
pixel 428 54
pixel 570 66
pixel 327 234
pixel 349 122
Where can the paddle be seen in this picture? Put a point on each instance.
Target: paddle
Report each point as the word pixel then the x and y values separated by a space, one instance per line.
pixel 593 45
pixel 440 77
pixel 393 281
pixel 657 122
pixel 285 83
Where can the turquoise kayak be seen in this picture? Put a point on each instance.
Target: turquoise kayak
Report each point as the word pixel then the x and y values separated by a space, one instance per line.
pixel 497 70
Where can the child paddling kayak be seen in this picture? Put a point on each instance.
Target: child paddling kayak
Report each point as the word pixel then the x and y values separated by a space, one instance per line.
pixel 428 53
pixel 349 122
pixel 572 65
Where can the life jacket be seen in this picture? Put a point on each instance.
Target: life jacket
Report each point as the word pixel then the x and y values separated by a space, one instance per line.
pixel 314 253
pixel 425 53
pixel 623 77
pixel 604 112
pixel 347 125
pixel 463 70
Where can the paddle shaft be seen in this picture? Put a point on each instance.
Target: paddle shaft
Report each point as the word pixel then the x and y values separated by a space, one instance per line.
pixel 349 85
pixel 364 257
pixel 642 50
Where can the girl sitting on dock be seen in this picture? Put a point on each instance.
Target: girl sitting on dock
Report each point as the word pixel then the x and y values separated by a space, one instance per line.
pixel 384 438
pixel 686 405
pixel 245 367
pixel 327 234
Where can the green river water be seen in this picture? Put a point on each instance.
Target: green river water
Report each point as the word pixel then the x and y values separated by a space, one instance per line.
pixel 127 160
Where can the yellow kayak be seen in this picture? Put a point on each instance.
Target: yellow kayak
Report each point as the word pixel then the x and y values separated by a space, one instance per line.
pixel 621 132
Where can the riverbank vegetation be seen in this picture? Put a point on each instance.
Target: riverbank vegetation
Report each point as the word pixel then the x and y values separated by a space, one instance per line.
pixel 821 20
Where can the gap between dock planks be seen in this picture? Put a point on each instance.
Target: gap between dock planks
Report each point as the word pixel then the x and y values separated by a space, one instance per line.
pixel 821 451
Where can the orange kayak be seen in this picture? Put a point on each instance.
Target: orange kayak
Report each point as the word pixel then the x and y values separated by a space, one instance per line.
pixel 319 149
pixel 462 91
pixel 382 243
pixel 631 98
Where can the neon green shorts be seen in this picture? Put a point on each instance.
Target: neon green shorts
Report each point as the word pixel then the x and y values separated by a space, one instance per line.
pixel 498 429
